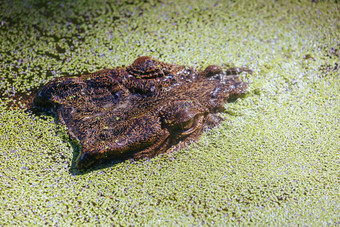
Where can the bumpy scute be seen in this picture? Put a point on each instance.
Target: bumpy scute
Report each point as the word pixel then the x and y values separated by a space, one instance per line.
pixel 138 111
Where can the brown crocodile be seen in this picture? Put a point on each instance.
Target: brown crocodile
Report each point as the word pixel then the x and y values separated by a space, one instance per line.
pixel 138 111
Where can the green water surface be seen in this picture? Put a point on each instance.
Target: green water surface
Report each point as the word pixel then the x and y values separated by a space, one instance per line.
pixel 275 160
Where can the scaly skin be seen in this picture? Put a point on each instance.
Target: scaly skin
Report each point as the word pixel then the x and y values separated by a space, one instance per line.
pixel 138 111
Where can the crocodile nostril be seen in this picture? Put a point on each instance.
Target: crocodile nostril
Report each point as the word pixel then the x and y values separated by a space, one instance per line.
pixel 212 70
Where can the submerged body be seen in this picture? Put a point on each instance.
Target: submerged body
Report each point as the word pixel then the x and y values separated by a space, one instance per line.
pixel 138 111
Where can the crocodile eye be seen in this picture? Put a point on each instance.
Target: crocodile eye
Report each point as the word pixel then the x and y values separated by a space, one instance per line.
pixel 193 124
pixel 183 118
pixel 188 124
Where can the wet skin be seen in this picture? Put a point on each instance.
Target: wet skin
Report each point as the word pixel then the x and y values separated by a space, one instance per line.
pixel 138 111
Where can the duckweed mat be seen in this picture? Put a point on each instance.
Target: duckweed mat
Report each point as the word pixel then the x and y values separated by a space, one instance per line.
pixel 273 161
